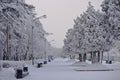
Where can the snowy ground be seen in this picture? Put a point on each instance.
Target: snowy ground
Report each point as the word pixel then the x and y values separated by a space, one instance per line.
pixel 61 69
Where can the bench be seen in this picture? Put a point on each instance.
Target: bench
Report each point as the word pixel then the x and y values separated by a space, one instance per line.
pixel 39 65
pixel 21 73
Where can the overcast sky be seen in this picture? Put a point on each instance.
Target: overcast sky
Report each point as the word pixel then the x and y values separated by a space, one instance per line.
pixel 60 15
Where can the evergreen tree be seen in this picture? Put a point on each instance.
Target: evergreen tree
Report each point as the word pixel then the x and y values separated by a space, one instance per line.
pixel 112 17
pixel 16 23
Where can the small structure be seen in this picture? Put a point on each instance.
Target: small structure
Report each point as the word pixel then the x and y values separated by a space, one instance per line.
pixel 49 60
pixel 21 72
pixel 39 65
pixel 45 62
pixel 108 62
pixel 25 68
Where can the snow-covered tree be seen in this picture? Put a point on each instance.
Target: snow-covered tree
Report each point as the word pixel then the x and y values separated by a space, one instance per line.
pixel 16 25
pixel 75 39
pixel 80 41
pixel 15 15
pixel 39 39
pixel 112 17
pixel 89 35
pixel 2 44
pixel 68 42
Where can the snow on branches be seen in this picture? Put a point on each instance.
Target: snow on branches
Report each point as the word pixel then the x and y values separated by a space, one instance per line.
pixel 16 22
pixel 89 33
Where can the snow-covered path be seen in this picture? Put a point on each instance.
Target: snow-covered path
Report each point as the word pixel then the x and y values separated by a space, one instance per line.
pixel 60 69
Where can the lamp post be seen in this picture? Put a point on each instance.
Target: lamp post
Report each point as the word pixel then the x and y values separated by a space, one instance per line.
pixel 45 50
pixel 32 47
pixel 32 35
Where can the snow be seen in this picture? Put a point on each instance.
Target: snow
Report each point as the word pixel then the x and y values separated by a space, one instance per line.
pixel 94 67
pixel 61 69
pixel 80 64
pixel 88 66
pixel 115 65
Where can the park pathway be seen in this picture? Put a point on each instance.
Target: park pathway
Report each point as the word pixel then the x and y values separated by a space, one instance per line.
pixel 60 69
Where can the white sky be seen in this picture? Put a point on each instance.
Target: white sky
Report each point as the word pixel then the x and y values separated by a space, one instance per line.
pixel 60 15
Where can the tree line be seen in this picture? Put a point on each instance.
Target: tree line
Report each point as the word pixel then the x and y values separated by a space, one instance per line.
pixel 94 31
pixel 20 32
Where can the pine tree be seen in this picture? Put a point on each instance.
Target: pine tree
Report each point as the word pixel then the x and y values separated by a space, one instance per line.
pixel 112 17
pixel 89 35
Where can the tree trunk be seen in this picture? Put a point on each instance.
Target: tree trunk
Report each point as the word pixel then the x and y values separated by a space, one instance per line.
pixel 101 56
pixel 98 56
pixel 1 52
pixel 80 57
pixel 84 57
pixel 70 56
pixel 94 57
pixel 91 56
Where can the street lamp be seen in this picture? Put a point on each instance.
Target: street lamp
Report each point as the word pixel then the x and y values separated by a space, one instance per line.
pixel 41 17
